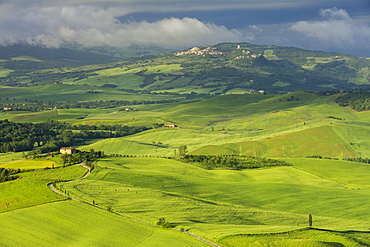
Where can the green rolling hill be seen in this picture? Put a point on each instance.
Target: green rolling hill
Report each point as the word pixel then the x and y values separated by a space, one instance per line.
pixel 207 99
pixel 223 68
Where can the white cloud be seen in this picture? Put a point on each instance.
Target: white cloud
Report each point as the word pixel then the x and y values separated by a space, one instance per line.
pixel 337 29
pixel 53 23
pixel 99 26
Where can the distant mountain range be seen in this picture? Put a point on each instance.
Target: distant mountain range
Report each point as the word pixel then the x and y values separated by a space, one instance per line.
pixel 223 68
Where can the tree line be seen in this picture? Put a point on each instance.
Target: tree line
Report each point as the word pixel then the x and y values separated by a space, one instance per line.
pixel 234 162
pixel 356 159
pixel 359 101
pixel 39 105
pixel 51 135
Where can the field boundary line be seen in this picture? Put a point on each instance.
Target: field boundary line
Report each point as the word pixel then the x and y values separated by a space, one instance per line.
pixel 325 178
pixel 51 187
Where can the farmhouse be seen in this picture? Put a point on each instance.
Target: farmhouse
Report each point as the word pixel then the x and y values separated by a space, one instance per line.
pixel 66 150
pixel 170 125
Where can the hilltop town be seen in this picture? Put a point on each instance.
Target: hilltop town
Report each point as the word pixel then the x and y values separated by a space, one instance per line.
pixel 212 51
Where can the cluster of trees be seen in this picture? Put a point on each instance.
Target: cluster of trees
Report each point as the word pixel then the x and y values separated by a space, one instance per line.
pixel 70 159
pixel 359 101
pixel 76 158
pixel 292 98
pixel 163 223
pixel 231 161
pixel 50 136
pixel 328 92
pixel 6 174
pixel 320 157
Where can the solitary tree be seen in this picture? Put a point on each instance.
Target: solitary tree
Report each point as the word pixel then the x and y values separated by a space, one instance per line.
pixel 310 220
pixel 182 150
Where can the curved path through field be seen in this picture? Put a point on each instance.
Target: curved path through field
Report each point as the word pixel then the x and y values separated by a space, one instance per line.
pixel 50 185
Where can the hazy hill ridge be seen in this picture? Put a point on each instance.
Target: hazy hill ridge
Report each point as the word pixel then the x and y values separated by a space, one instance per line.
pixel 223 68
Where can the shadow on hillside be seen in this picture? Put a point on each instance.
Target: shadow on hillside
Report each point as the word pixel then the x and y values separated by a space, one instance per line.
pixel 334 231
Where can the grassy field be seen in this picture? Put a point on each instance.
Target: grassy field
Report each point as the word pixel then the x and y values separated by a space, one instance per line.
pixel 31 190
pixel 71 93
pixel 226 206
pixel 298 144
pixel 221 204
pixel 127 78
pixel 69 223
pixel 4 72
pixel 26 58
pixel 30 164
pixel 258 124
pixel 307 238
pixel 9 157
pixel 356 136
pixel 218 203
pixel 250 124
pixel 163 142
pixel 336 170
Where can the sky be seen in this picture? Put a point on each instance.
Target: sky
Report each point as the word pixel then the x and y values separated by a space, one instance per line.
pixel 330 25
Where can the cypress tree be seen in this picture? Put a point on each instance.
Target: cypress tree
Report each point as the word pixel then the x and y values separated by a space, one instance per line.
pixel 310 220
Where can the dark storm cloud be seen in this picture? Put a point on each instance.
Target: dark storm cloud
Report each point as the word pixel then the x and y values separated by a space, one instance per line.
pixel 181 24
pixel 97 24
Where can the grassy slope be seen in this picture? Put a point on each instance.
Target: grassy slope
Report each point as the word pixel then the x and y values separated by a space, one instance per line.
pixel 248 124
pixel 71 93
pixel 219 203
pixel 30 189
pixel 357 136
pixel 245 120
pixel 309 238
pixel 343 172
pixel 125 77
pixel 182 73
pixel 243 124
pixel 71 223
pixel 297 144
pixel 29 164
pixel 9 157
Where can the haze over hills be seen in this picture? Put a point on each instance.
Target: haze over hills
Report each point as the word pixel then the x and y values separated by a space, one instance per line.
pixel 223 68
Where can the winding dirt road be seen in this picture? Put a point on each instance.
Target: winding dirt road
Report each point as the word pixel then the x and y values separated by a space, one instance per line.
pixel 50 186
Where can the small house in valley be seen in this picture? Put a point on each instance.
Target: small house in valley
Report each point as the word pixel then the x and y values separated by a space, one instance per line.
pixel 170 125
